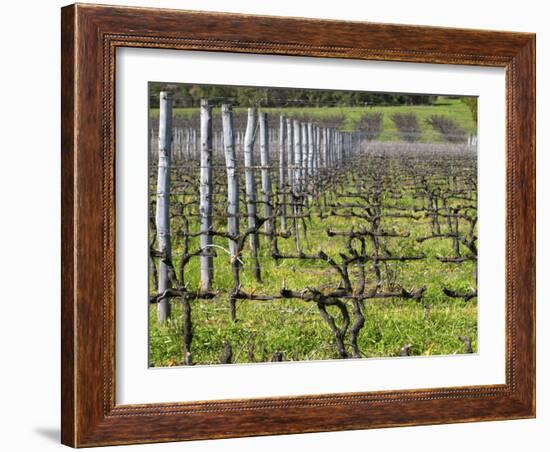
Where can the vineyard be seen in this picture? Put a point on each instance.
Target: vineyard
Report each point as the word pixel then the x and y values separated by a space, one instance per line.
pixel 288 237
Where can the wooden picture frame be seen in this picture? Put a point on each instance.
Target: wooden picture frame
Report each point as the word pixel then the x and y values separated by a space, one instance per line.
pixel 90 36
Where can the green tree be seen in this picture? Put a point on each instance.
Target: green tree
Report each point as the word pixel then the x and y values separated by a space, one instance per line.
pixel 471 103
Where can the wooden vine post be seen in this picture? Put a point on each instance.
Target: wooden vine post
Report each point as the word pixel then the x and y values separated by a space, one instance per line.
pixel 297 155
pixel 250 187
pixel 282 171
pixel 297 182
pixel 163 200
pixel 265 175
pixel 305 147
pixel 310 150
pixel 232 190
pixel 206 196
pixel 289 153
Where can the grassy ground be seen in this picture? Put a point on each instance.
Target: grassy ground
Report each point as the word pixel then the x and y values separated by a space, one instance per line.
pixel 453 108
pixel 294 327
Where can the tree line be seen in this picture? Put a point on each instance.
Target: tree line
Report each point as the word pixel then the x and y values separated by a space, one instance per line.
pixel 188 96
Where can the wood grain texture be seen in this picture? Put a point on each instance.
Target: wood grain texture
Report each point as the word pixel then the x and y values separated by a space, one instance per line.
pixel 67 226
pixel 90 36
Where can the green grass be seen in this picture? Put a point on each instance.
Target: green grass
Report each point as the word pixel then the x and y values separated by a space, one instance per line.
pixel 294 327
pixel 452 108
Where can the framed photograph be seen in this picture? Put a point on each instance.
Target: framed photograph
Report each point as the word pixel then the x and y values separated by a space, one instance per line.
pixel 281 225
